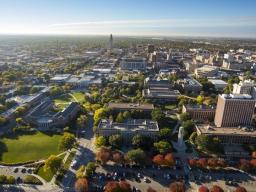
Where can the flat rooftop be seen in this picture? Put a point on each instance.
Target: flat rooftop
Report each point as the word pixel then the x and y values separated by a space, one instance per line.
pixel 130 125
pixel 217 81
pixel 142 106
pixel 237 96
pixel 206 129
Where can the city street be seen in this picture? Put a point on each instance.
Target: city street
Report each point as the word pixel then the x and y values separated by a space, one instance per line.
pixel 84 154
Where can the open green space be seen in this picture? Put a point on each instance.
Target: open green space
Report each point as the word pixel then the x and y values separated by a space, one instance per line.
pixel 79 96
pixel 16 148
pixel 63 100
pixel 170 106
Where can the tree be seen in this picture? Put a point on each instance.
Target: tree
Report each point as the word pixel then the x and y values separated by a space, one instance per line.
pixel 117 157
pixel 216 188
pixel 203 189
pixel 100 141
pixel 80 173
pixel 137 156
pixel 253 163
pixel 177 187
pixel 115 141
pixel 192 163
pixel 81 121
pixel 114 186
pixel 81 185
pixel 140 141
pixel 151 190
pixel 203 142
pixel 165 133
pixel 67 141
pixel 240 189
pixel 188 128
pixel 202 162
pixel 245 165
pixel 19 120
pixel 53 163
pixel 169 159
pixel 11 180
pixel 90 169
pixel 185 116
pixel 159 159
pixel 212 162
pixel 200 99
pixel 55 91
pixel 3 179
pixel 192 137
pixel 126 115
pixel 163 147
pixel 254 154
pixel 99 114
pixel 2 120
pixel 157 115
pixel 103 155
pixel 120 118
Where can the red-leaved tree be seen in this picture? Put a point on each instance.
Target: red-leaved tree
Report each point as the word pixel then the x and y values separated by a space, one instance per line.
pixel 203 189
pixel 81 185
pixel 216 188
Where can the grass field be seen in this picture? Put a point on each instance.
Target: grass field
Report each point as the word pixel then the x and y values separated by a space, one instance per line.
pixel 79 96
pixel 63 100
pixel 21 148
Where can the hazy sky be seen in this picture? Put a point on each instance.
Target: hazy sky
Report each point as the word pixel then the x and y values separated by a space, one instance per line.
pixel 228 18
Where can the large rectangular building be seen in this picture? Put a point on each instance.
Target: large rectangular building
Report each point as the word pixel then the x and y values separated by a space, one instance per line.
pixel 234 110
pixel 128 129
pixel 133 64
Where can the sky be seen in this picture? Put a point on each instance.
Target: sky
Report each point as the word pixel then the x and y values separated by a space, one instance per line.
pixel 215 18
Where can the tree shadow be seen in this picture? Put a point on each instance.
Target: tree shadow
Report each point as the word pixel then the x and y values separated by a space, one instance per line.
pixel 3 149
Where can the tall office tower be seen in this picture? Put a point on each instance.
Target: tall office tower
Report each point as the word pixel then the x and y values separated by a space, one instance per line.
pixel 111 42
pixel 234 110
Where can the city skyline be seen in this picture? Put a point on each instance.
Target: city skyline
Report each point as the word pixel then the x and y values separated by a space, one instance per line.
pixel 175 18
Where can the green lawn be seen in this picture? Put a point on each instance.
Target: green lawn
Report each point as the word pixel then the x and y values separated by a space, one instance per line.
pixel 63 100
pixel 170 106
pixel 79 96
pixel 21 148
pixel 66 98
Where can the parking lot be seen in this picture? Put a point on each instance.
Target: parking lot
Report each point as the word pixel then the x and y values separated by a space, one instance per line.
pixel 140 178
pixel 17 172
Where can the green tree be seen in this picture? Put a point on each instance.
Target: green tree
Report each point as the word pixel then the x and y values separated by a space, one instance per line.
pixel 200 99
pixel 188 128
pixel 126 115
pixel 115 141
pixel 163 147
pixel 80 173
pixel 2 120
pixel 90 169
pixel 192 137
pixel 165 133
pixel 81 121
pixel 143 142
pixel 120 118
pixel 67 141
pixel 11 180
pixel 157 115
pixel 53 163
pixel 100 141
pixel 137 156
pixel 185 116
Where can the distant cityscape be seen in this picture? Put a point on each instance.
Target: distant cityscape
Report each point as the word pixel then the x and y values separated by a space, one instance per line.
pixel 115 113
